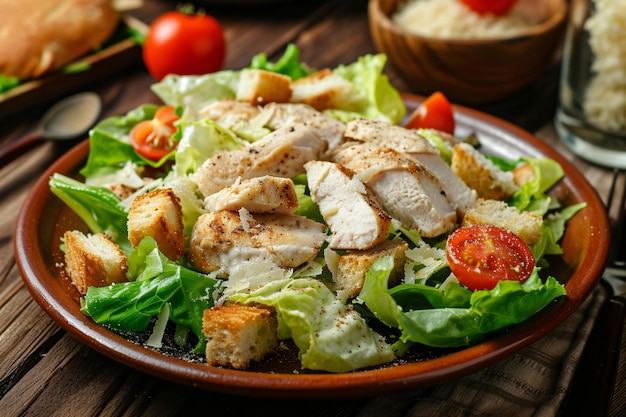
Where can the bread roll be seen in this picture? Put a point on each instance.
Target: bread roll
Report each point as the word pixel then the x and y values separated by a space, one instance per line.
pixel 38 36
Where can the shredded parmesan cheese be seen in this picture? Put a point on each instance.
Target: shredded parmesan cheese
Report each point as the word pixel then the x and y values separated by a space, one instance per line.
pixel 452 19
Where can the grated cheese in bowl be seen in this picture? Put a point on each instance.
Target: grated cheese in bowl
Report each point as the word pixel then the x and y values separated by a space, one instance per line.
pixel 450 19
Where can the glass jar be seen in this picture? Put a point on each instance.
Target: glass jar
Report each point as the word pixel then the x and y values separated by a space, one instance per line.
pixel 591 117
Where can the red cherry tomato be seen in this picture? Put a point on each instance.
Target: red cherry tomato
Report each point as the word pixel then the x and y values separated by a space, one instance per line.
pixel 482 255
pixel 152 139
pixel 496 7
pixel 434 113
pixel 183 44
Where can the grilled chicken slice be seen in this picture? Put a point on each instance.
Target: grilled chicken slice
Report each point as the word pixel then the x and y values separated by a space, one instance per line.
pixel 355 219
pixel 265 194
pixel 233 243
pixel 230 113
pixel 275 115
pixel 417 147
pixel 282 153
pixel 407 190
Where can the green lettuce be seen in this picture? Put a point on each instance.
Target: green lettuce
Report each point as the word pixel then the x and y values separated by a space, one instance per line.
pixel 97 206
pixel 109 147
pixel 330 335
pixel 289 64
pixel 199 141
pixel 379 99
pixel 154 281
pixel 195 92
pixel 453 316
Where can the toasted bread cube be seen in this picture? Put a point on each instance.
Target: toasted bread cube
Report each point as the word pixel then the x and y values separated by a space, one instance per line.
pixel 158 214
pixel 323 90
pixel 354 265
pixel 497 213
pixel 479 173
pixel 93 260
pixel 261 87
pixel 238 334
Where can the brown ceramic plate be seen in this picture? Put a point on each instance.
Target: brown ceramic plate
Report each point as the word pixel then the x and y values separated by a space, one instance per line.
pixel 44 218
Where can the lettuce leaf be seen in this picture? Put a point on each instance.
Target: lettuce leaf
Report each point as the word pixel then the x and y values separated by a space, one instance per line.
pixel 199 141
pixel 97 206
pixel 532 195
pixel 108 142
pixel 155 281
pixel 195 92
pixel 330 335
pixel 289 64
pixel 453 316
pixel 380 100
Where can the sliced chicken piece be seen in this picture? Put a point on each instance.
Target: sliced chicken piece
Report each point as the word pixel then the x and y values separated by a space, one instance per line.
pixel 407 190
pixel 282 153
pixel 226 240
pixel 276 115
pixel 265 194
pixel 236 116
pixel 414 145
pixel 355 219
pixel 389 136
pixel 230 113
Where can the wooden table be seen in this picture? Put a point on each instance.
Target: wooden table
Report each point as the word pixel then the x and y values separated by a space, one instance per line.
pixel 45 371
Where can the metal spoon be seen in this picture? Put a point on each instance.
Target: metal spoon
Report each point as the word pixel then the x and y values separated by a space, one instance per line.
pixel 67 119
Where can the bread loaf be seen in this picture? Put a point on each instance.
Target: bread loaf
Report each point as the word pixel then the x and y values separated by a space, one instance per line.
pixel 38 36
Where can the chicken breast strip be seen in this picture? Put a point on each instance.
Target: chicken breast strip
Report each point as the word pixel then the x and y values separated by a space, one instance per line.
pixel 355 219
pixel 407 190
pixel 275 115
pixel 282 153
pixel 265 194
pixel 227 240
pixel 412 144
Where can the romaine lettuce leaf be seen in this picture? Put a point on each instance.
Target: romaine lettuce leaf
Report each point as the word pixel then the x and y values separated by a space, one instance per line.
pixel 199 141
pixel 195 92
pixel 289 64
pixel 97 206
pixel 330 335
pixel 155 281
pixel 379 99
pixel 451 318
pixel 109 145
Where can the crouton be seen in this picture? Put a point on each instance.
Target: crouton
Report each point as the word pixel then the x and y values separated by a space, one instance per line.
pixel 266 194
pixel 497 213
pixel 522 174
pixel 93 260
pixel 158 214
pixel 354 265
pixel 238 334
pixel 262 87
pixel 323 90
pixel 479 173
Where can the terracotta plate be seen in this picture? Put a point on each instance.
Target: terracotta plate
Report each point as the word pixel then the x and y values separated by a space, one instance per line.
pixel 44 218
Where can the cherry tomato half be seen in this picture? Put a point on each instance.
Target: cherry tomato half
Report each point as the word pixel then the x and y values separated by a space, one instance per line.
pixel 496 7
pixel 434 113
pixel 152 139
pixel 482 255
pixel 184 44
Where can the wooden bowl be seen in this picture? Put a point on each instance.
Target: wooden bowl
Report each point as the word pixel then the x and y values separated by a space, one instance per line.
pixel 470 71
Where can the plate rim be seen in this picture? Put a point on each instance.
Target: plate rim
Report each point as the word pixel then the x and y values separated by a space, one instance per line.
pixel 36 273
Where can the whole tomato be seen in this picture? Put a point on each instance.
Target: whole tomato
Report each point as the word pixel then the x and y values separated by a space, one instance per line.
pixel 184 44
